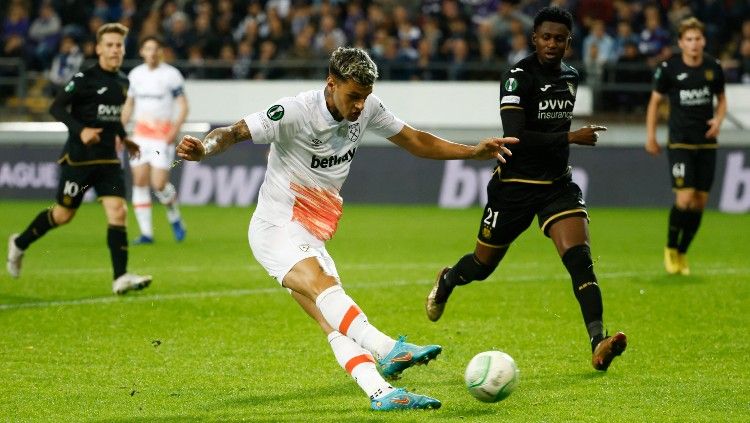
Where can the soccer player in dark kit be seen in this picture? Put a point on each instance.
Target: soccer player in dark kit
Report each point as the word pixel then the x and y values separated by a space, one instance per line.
pixel 89 158
pixel 536 106
pixel 690 81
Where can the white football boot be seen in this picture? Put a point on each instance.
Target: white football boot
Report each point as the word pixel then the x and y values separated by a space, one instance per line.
pixel 130 282
pixel 15 255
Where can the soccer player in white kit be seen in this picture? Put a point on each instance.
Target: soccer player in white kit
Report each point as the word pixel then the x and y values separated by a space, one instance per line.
pixel 313 138
pixel 158 104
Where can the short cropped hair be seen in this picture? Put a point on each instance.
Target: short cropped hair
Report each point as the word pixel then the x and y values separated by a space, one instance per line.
pixel 116 28
pixel 553 14
pixel 691 23
pixel 351 63
pixel 155 38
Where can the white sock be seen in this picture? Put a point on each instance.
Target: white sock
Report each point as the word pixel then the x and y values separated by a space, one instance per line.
pixel 142 206
pixel 360 364
pixel 343 314
pixel 168 197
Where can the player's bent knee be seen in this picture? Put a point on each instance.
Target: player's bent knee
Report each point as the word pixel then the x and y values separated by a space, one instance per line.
pixel 62 215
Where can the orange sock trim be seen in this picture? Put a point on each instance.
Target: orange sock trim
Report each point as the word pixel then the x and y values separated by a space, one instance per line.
pixel 349 317
pixel 356 361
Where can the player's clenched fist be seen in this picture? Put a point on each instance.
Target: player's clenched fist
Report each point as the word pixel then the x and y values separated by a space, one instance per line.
pixel 191 148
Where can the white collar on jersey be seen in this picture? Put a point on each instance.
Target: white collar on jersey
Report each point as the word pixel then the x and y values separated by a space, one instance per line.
pixel 324 109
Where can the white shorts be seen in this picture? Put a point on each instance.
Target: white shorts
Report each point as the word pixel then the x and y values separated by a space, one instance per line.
pixel 155 153
pixel 279 248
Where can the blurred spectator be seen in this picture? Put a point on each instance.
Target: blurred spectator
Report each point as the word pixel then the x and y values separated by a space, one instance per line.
pixel 301 53
pixel 405 29
pixel 519 48
pixel 178 36
pixel 15 27
pixel 354 15
pixel 624 36
pixel 392 63
pixel 424 31
pixel 250 26
pixel 301 16
pixel 266 69
pixel 655 39
pixel 630 69
pixel 196 68
pixel 329 37
pixel 588 11
pixel 500 22
pixel 65 64
pixel 45 34
pixel 598 49
pixel 205 35
pixel 281 7
pixel 488 67
pixel 361 35
pixel 277 32
pixel 424 66
pixel 457 65
pixel 223 66
pixel 241 67
pixel 678 11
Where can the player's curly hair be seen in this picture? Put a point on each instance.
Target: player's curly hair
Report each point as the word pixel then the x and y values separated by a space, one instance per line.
pixel 553 14
pixel 351 63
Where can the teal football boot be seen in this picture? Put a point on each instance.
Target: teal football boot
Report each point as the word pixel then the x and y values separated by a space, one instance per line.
pixel 401 399
pixel 404 355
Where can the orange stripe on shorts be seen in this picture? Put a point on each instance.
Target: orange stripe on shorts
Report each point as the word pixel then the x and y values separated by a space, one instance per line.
pixel 349 317
pixel 356 361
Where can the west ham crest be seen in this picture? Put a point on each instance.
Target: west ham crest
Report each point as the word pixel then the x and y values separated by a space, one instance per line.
pixel 354 132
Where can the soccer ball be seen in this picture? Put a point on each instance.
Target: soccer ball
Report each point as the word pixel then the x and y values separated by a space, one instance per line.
pixel 491 376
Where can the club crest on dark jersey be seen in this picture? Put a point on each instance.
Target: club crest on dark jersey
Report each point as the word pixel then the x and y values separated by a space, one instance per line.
pixel 572 89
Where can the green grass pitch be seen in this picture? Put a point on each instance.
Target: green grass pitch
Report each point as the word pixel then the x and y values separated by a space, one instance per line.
pixel 215 338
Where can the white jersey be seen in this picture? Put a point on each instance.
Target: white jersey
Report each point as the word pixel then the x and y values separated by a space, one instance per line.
pixel 310 157
pixel 154 92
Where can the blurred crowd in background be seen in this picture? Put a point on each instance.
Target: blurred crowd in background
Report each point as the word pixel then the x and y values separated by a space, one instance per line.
pixel 613 40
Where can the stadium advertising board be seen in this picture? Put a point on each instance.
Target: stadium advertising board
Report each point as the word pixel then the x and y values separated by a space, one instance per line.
pixel 616 176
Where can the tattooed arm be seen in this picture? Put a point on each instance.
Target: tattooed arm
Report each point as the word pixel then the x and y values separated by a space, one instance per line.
pixel 218 140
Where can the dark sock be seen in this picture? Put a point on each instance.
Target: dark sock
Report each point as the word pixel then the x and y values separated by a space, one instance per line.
pixel 117 241
pixel 586 289
pixel 39 226
pixel 692 220
pixel 676 223
pixel 596 333
pixel 468 269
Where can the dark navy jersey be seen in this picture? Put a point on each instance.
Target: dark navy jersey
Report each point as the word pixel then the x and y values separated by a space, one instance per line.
pixel 691 92
pixel 536 106
pixel 95 98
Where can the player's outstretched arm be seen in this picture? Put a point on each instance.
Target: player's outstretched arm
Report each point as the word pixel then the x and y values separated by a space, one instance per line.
pixel 652 146
pixel 588 135
pixel 423 144
pixel 218 140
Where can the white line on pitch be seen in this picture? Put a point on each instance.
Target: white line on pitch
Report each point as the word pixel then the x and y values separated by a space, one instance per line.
pixel 270 290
